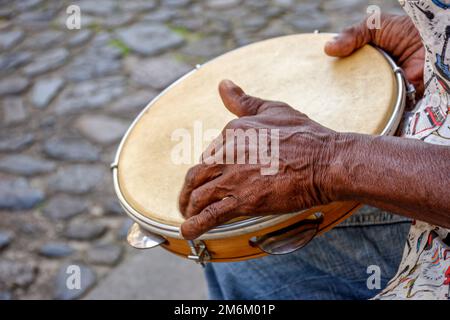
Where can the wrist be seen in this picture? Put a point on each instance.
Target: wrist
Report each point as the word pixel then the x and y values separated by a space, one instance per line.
pixel 345 154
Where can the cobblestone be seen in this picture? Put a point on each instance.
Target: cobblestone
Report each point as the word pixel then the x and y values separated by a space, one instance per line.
pixel 18 194
pixel 71 149
pixel 47 62
pixel 76 179
pixel 156 73
pixel 45 90
pixel 56 250
pixel 105 254
pixel 84 230
pixel 102 129
pixel 14 111
pixel 25 165
pixel 64 207
pixel 14 85
pixel 148 39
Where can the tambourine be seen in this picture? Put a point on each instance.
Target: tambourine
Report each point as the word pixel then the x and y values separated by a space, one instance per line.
pixel 363 93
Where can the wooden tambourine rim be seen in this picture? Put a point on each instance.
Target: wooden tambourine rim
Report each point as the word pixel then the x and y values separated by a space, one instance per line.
pixel 255 223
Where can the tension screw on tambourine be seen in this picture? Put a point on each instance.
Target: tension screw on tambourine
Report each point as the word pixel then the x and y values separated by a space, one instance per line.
pixel 410 89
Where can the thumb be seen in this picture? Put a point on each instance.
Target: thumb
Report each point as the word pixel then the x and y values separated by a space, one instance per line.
pixel 349 40
pixel 236 101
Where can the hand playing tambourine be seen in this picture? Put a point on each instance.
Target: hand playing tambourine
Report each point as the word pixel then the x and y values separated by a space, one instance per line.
pixel 312 158
pixel 305 151
pixel 397 36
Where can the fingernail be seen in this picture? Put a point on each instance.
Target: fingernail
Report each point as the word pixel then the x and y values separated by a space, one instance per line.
pixel 227 82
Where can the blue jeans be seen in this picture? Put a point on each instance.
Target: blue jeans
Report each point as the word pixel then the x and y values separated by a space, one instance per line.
pixel 332 266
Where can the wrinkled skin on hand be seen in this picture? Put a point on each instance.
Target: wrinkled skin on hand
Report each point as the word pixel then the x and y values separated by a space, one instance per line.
pixel 397 36
pixel 305 148
pixel 215 193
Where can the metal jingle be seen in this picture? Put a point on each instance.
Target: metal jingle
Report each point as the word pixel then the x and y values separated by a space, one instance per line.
pixel 291 238
pixel 142 239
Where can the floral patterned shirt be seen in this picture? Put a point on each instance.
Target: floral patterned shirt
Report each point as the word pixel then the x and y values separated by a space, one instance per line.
pixel 424 272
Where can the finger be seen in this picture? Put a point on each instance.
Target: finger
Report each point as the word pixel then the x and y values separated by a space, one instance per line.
pixel 349 40
pixel 209 155
pixel 237 102
pixel 195 177
pixel 205 195
pixel 414 69
pixel 212 216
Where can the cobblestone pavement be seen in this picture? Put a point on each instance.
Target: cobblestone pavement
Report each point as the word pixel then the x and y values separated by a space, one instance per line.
pixel 67 97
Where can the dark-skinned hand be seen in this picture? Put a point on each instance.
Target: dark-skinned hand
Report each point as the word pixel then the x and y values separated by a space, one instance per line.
pixel 318 165
pixel 397 36
pixel 215 193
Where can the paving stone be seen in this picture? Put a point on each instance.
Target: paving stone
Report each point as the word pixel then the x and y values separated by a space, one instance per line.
pixel 276 29
pixel 105 254
pixel 272 12
pixel 55 250
pixel 88 66
pixel 160 15
pixel 223 4
pixel 260 4
pixel 45 90
pixel 84 230
pixel 12 61
pixel 14 111
pixel 220 26
pixel 10 39
pixel 176 3
pixel 89 95
pixel 64 207
pixel 118 20
pixel 102 129
pixel 285 3
pixel 5 239
pixel 342 5
pixel 255 23
pixel 310 22
pixel 98 7
pixel 101 45
pixel 15 274
pixel 206 47
pixel 15 142
pixel 44 40
pixel 46 62
pixel 25 165
pixel 80 37
pixel 65 288
pixel 147 39
pixel 27 4
pixel 76 179
pixel 133 103
pixel 307 8
pixel 17 194
pixel 13 85
pixel 138 5
pixel 196 24
pixel 71 149
pixel 37 19
pixel 157 73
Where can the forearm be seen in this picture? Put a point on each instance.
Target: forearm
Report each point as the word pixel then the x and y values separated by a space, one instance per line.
pixel 405 176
